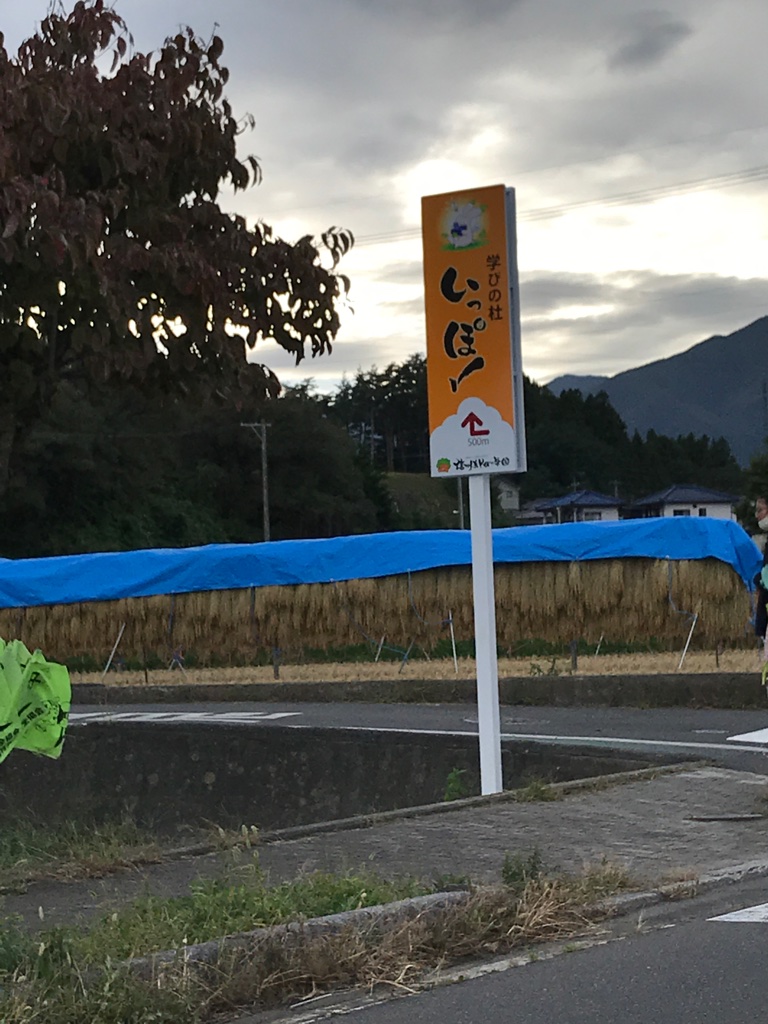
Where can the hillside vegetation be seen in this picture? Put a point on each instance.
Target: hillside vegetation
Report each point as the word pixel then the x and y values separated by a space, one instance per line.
pixel 122 469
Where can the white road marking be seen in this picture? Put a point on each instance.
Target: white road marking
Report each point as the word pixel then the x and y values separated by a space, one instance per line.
pixel 260 716
pixel 758 736
pixel 594 741
pixel 627 741
pixel 758 914
pixel 180 716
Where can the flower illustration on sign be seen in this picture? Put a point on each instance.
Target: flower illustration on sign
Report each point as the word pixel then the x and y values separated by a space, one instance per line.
pixel 463 225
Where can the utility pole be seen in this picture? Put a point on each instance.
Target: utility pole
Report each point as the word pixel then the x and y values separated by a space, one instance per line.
pixel 260 430
pixel 460 485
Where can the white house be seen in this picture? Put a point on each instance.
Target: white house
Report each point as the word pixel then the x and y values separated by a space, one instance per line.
pixel 508 491
pixel 684 500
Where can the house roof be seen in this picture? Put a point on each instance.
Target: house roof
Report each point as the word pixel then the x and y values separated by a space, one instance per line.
pixel 688 494
pixel 578 499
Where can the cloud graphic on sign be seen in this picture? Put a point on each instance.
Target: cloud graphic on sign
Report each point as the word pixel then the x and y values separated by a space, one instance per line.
pixel 485 433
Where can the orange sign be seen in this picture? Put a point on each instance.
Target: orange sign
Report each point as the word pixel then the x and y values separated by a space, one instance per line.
pixel 474 375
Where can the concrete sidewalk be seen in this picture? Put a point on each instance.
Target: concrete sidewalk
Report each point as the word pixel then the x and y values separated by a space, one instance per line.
pixel 648 825
pixel 683 823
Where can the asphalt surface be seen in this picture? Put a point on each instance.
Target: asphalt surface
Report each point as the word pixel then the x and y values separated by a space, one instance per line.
pixel 700 733
pixel 686 972
pixel 669 962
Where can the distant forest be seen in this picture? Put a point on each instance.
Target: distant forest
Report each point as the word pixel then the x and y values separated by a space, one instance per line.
pixel 118 471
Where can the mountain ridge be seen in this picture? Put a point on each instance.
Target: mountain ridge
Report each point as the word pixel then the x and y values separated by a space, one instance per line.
pixel 718 387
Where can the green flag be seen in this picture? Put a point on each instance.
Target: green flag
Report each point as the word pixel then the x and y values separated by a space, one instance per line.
pixel 34 701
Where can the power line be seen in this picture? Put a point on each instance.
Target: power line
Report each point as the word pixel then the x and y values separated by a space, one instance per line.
pixel 546 168
pixel 746 176
pixel 662 192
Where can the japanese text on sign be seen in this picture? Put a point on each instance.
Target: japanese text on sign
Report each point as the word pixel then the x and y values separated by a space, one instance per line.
pixel 471 305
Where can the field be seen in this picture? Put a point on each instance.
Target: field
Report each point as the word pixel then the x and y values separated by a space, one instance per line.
pixel 727 661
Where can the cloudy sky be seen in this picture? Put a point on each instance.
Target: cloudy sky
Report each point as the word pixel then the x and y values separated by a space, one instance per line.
pixel 635 135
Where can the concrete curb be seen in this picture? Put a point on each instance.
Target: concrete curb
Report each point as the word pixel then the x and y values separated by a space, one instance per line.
pixel 392 915
pixel 626 903
pixel 384 916
pixel 360 821
pixel 594 782
pixel 718 690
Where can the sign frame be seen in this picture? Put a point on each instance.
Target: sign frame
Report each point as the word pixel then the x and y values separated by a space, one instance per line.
pixel 474 362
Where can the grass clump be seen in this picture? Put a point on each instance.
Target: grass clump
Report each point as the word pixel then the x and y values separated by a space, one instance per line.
pixel 456 787
pixel 520 869
pixel 66 977
pixel 215 908
pixel 602 880
pixel 29 850
pixel 596 882
pixel 536 791
pixel 492 921
pixel 71 975
pixel 49 990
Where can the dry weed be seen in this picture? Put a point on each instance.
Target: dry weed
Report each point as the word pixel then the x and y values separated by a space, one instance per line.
pixel 696 662
pixel 288 968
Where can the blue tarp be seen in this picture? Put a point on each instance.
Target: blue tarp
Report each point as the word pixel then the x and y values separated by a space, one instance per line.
pixel 107 576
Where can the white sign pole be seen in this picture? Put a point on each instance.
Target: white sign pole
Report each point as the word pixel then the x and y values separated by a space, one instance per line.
pixel 486 662
pixel 475 394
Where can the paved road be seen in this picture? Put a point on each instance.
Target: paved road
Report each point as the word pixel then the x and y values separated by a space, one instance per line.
pixel 673 964
pixel 703 733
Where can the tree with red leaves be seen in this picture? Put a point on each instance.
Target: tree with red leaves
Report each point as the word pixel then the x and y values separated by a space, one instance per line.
pixel 116 261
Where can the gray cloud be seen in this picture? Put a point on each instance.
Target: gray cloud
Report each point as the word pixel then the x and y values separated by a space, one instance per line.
pixel 638 317
pixel 651 38
pixel 440 16
pixel 355 106
pixel 545 293
pixel 568 102
pixel 408 307
pixel 400 273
